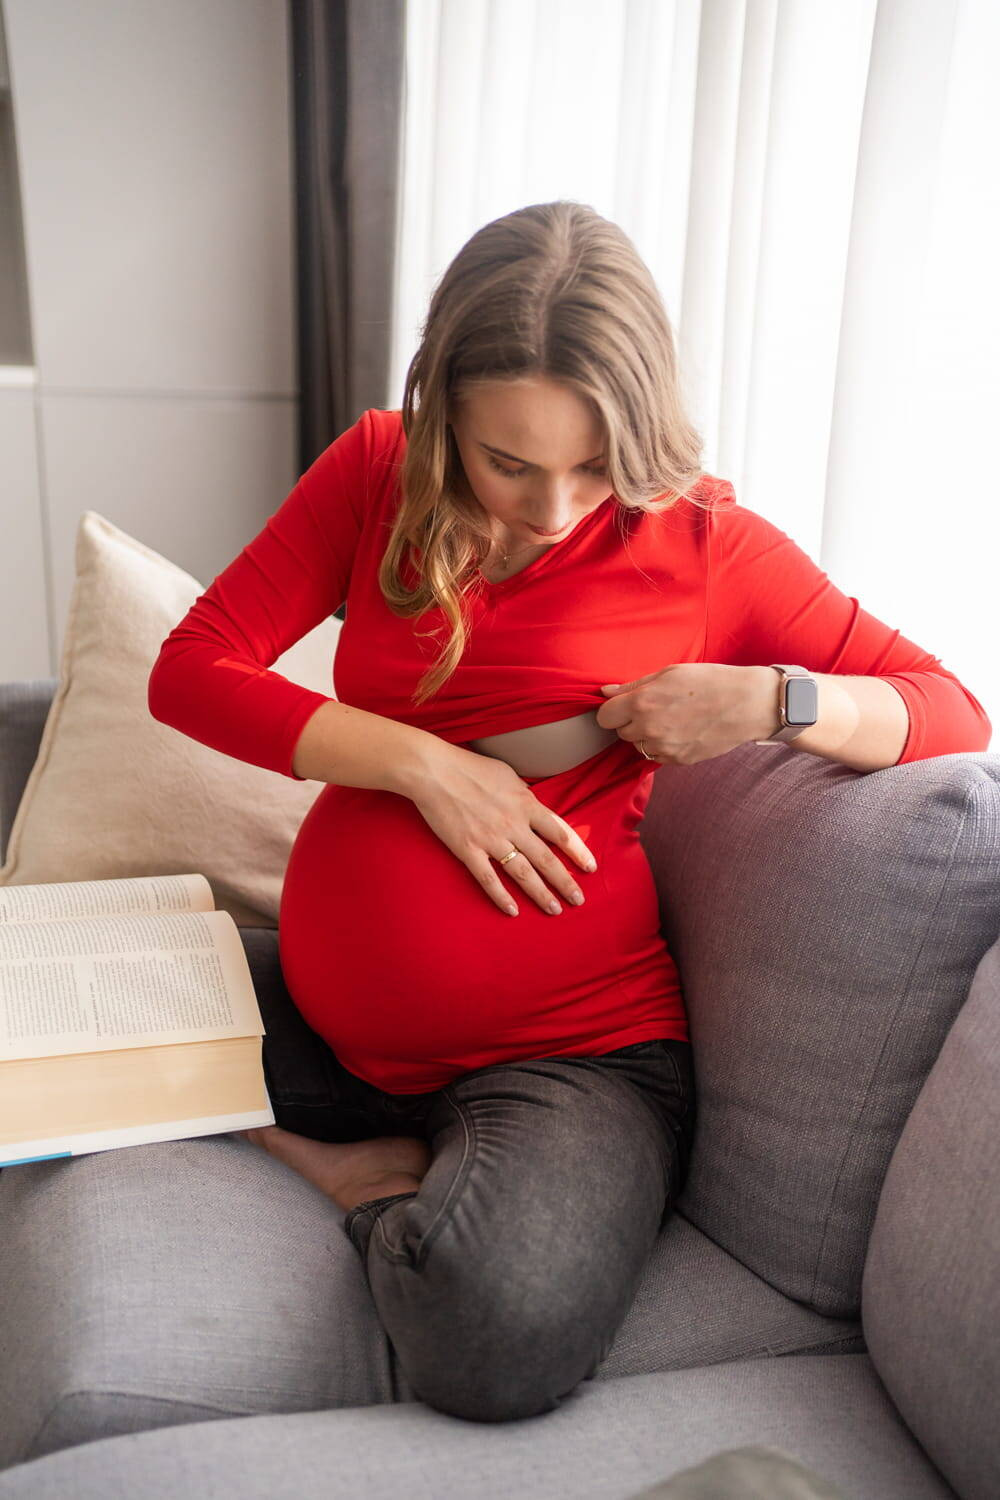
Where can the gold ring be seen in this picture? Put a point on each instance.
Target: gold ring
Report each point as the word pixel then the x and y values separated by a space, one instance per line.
pixel 509 856
pixel 640 744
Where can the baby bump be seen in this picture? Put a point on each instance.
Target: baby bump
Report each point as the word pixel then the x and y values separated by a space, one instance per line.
pixel 391 947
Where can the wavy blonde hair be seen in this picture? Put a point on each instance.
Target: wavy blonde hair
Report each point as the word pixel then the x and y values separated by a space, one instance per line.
pixel 551 290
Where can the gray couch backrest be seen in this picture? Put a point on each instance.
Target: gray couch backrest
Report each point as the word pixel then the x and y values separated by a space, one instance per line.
pixel 931 1288
pixel 826 924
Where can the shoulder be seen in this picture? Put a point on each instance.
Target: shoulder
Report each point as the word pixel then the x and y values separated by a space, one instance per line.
pixel 362 458
pixel 747 544
pixel 710 495
pixel 730 534
pixel 704 498
pixel 388 439
pixel 706 507
pixel 716 499
pixel 375 436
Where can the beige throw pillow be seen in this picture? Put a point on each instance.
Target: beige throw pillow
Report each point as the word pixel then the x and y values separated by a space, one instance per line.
pixel 115 793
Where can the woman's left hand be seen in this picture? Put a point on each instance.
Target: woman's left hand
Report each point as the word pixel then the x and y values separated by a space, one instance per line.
pixel 693 711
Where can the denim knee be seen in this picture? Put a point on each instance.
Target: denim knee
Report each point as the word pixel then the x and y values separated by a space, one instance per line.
pixel 360 1220
pixel 498 1375
pixel 487 1341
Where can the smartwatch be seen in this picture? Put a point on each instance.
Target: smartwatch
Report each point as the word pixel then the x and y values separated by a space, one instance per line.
pixel 799 703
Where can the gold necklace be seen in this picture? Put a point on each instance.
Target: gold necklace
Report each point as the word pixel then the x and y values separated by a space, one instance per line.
pixel 508 555
pixel 516 553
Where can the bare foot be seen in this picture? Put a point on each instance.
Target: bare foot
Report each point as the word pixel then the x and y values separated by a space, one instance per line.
pixel 349 1172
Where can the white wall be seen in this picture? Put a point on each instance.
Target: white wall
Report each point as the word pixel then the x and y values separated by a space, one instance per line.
pixel 155 163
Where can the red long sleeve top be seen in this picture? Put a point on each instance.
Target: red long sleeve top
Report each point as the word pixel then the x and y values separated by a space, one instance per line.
pixel 383 931
pixel 727 585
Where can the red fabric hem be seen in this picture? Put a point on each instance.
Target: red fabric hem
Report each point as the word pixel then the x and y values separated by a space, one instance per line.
pixel 649 1031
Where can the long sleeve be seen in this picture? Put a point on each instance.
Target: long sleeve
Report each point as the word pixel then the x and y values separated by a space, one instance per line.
pixel 211 679
pixel 769 602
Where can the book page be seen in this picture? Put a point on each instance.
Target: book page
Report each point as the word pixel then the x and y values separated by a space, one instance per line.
pixel 113 982
pixel 59 899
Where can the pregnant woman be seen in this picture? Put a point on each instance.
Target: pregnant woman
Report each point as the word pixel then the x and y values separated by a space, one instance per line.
pixel 487 1065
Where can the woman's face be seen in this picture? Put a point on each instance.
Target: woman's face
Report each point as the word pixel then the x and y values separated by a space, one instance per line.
pixel 534 456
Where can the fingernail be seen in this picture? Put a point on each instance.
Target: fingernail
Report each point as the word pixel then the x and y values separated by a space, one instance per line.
pixel 554 907
pixel 511 910
pixel 591 867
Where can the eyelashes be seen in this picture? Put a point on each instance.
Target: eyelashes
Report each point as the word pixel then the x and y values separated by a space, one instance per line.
pixel 595 473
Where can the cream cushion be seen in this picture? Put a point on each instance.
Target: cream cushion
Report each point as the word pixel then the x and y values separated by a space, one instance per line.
pixel 115 793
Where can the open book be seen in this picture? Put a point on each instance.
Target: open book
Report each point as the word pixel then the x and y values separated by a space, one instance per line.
pixel 127 1015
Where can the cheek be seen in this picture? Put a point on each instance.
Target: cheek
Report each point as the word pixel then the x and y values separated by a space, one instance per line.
pixel 496 495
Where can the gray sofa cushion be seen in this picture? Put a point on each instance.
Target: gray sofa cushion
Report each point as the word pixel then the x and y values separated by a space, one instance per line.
pixel 181 1281
pixel 24 707
pixel 605 1441
pixel 931 1285
pixel 177 1283
pixel 826 924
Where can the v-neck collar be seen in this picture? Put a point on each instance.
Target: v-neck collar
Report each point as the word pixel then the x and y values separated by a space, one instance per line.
pixel 558 549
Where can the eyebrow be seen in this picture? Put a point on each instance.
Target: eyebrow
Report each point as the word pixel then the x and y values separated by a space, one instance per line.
pixel 514 458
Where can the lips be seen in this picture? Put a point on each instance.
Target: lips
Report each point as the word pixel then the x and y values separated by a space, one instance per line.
pixel 539 532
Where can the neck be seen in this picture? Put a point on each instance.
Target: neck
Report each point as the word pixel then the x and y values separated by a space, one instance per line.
pixel 506 547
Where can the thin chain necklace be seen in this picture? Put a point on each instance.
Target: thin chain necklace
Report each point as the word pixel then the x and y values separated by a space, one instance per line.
pixel 517 551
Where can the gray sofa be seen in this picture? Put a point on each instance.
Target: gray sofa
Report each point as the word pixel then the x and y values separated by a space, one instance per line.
pixel 189 1318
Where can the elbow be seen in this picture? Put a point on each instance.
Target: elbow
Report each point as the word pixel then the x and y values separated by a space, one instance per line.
pixel 156 696
pixel 985 733
pixel 945 717
pixel 151 693
pixel 978 728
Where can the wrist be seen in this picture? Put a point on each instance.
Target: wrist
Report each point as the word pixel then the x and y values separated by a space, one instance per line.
pixel 426 759
pixel 765 711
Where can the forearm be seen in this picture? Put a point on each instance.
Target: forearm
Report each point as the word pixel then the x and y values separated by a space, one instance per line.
pixel 353 747
pixel 861 722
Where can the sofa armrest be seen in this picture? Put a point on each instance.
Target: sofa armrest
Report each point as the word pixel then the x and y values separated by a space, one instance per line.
pixel 24 707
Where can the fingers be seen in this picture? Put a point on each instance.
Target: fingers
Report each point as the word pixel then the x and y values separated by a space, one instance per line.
pixel 528 868
pixel 482 834
pixel 567 838
pixel 535 864
pixel 487 876
pixel 540 873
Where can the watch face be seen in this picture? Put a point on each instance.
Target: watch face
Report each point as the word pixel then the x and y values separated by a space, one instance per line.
pixel 801 700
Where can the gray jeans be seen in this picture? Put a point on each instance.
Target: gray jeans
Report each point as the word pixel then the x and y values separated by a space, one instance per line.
pixel 504 1278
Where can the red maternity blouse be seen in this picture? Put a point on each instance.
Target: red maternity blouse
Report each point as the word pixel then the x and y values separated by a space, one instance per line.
pixel 389 946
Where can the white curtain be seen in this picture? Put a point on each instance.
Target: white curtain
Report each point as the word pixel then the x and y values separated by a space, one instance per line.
pixel 815 186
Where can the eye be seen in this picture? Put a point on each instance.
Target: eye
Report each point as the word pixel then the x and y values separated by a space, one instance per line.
pixel 508 473
pixel 595 471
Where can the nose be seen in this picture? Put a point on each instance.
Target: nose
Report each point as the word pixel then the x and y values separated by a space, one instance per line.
pixel 554 512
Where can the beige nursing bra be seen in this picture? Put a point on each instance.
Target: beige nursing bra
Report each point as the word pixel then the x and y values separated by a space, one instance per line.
pixel 547 749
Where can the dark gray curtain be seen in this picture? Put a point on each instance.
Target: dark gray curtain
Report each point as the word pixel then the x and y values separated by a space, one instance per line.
pixel 347 60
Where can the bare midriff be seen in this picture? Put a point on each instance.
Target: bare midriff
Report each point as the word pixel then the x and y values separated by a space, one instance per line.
pixel 547 749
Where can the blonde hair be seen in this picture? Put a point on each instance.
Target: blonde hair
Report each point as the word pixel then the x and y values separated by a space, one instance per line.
pixel 552 290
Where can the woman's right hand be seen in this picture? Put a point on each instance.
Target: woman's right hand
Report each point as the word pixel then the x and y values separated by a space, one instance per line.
pixel 479 806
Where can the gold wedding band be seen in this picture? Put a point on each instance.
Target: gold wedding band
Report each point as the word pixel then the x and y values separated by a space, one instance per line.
pixel 509 856
pixel 640 744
